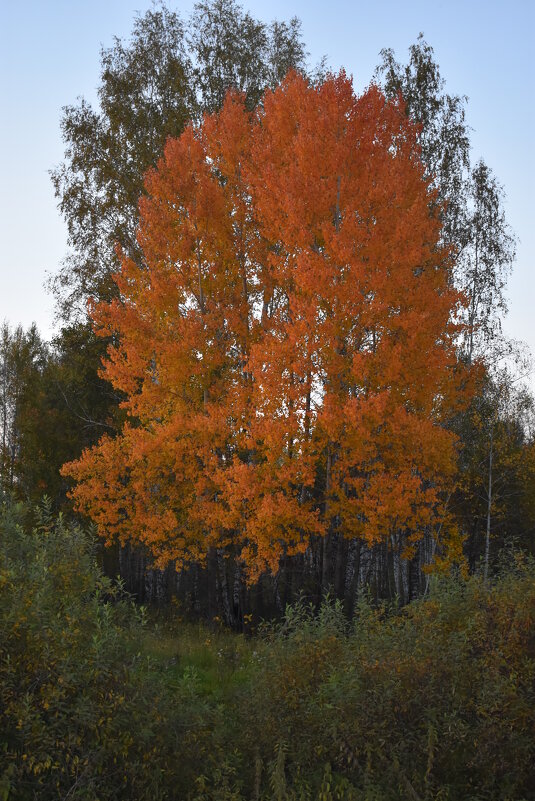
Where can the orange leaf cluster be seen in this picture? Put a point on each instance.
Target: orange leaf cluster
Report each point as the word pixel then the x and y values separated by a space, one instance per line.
pixel 287 348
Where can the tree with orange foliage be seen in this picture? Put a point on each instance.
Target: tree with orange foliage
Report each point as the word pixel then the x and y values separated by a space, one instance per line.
pixel 286 349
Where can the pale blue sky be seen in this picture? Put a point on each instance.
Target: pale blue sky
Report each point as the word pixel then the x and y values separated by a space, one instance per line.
pixel 50 55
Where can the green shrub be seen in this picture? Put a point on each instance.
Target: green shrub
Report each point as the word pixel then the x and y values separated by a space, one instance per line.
pixel 81 716
pixel 436 701
pixel 433 702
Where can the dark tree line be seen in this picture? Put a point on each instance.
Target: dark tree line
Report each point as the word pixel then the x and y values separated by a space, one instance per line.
pixel 53 402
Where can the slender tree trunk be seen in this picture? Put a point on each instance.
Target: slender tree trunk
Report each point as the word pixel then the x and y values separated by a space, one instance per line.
pixel 366 557
pixel 489 509
pixel 278 602
pixel 473 305
pixel 415 572
pixel 237 593
pixel 148 585
pixel 352 574
pixel 341 548
pixel 223 583
pixel 326 539
pixel 196 593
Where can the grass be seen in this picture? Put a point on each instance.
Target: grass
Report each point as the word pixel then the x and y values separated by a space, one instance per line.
pixel 214 661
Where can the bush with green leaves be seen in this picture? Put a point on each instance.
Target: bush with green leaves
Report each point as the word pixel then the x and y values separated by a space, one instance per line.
pixel 82 715
pixel 432 702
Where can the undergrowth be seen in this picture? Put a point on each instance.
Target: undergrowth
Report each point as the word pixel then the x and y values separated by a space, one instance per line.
pixel 101 700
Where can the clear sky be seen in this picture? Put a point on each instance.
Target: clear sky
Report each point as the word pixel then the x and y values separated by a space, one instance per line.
pixel 49 51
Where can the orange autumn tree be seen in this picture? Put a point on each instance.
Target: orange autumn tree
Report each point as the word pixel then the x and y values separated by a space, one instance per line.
pixel 287 348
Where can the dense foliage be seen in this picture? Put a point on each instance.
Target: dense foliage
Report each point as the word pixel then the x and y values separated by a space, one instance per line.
pixel 54 403
pixel 472 213
pixel 304 387
pixel 434 702
pixel 287 349
pixel 167 73
pixel 69 700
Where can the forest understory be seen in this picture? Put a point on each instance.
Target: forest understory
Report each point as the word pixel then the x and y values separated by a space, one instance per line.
pixel 103 699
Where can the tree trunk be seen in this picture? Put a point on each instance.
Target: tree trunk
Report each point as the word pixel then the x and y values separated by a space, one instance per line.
pixel 489 509
pixel 223 583
pixel 352 574
pixel 325 550
pixel 341 550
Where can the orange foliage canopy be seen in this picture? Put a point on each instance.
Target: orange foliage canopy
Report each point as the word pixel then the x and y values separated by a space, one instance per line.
pixel 286 349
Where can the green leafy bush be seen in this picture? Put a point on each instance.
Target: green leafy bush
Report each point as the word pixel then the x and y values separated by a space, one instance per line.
pixel 81 714
pixel 433 702
pixel 436 701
